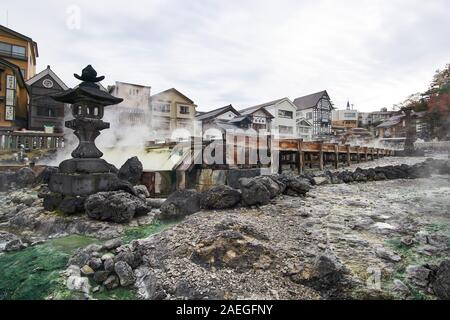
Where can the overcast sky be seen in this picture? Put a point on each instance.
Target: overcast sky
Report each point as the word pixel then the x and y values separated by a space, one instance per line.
pixel 374 53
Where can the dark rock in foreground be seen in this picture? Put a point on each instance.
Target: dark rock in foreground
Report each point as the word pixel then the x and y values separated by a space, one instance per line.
pixel 180 204
pixel 220 197
pixel 254 192
pixel 116 206
pixel 131 171
pixel 441 281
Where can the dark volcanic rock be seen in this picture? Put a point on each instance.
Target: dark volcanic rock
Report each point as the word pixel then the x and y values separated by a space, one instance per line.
pixel 125 273
pixel 46 174
pixel 131 171
pixel 274 185
pixel 254 192
pixel 112 282
pixel 220 197
pixel 52 201
pixel 441 281
pixel 328 276
pixel 295 185
pixel 180 204
pixel 122 185
pixel 234 176
pixel 24 177
pixel 72 205
pixel 116 206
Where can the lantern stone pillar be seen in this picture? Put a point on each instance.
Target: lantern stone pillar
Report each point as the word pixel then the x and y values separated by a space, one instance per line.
pixel 86 173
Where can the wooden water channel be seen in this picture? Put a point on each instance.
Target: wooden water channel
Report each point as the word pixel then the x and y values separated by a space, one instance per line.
pixel 304 154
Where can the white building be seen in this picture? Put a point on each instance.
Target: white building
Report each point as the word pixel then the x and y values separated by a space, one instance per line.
pixel 284 116
pixel 304 129
pixel 135 107
pixel 316 108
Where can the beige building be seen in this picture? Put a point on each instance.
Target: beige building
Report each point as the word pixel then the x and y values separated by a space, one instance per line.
pixel 18 54
pixel 135 107
pixel 172 110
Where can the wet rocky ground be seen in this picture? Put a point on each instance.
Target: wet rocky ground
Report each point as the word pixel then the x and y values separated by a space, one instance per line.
pixel 378 239
pixel 374 240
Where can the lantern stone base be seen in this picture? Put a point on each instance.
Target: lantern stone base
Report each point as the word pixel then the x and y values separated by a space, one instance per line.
pixel 86 166
pixel 82 184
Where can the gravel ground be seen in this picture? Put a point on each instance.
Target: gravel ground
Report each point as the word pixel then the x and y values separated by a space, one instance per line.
pixel 376 230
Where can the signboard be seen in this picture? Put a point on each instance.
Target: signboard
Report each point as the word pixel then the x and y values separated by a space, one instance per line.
pixel 9 113
pixel 10 82
pixel 10 97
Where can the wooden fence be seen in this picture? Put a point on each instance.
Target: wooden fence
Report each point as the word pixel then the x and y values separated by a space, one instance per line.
pixel 31 140
pixel 318 154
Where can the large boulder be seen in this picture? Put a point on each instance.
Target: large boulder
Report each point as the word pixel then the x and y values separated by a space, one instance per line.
pixel 441 281
pixel 220 197
pixel 295 185
pixel 142 191
pixel 254 192
pixel 72 205
pixel 46 174
pixel 122 185
pixel 131 171
pixel 116 206
pixel 275 186
pixel 181 203
pixel 125 273
pixel 52 201
pixel 24 177
pixel 235 175
pixel 327 275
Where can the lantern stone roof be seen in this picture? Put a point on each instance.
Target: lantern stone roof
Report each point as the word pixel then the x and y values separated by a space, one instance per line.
pixel 87 92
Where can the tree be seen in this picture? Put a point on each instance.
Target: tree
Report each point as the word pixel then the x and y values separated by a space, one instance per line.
pixel 438 104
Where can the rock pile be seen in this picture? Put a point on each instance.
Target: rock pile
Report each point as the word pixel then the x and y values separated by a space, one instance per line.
pixel 119 204
pixel 109 266
pixel 115 206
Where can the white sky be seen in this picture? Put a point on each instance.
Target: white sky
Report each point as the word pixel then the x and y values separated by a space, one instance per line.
pixel 373 52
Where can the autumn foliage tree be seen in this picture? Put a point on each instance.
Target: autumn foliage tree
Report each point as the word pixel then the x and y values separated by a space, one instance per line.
pixel 438 104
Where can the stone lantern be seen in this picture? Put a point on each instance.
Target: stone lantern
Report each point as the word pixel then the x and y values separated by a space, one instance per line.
pixel 86 173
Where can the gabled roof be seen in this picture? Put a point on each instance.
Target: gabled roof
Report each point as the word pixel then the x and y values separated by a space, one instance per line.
pixel 17 72
pixel 23 37
pixel 48 71
pixel 240 119
pixel 304 121
pixel 225 125
pixel 250 111
pixel 263 105
pixel 392 121
pixel 174 90
pixel 310 100
pixel 217 112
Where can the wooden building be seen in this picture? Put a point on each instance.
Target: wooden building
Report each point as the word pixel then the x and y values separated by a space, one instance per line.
pixel 13 97
pixel 44 113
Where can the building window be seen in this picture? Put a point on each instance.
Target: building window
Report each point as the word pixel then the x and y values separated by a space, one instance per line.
pixel 286 130
pixel 46 112
pixel 184 110
pixel 350 115
pixel 161 107
pixel 285 114
pixel 309 115
pixel 12 50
